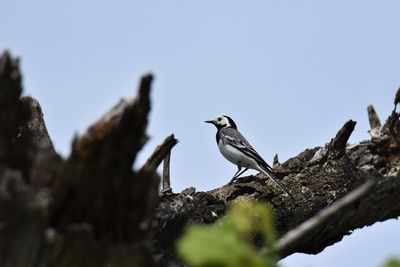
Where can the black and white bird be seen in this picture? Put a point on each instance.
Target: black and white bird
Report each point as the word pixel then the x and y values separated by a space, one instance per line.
pixel 235 148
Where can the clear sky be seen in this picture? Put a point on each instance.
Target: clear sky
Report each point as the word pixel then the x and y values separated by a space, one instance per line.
pixel 290 73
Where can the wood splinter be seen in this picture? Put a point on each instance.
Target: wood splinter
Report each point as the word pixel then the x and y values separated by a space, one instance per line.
pixel 163 153
pixel 166 189
pixel 396 99
pixel 374 122
pixel 276 161
pixel 337 146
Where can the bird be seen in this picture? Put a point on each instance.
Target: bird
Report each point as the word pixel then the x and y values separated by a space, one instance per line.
pixel 235 148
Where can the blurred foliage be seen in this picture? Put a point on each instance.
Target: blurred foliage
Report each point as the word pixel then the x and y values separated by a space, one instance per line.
pixel 230 242
pixel 393 262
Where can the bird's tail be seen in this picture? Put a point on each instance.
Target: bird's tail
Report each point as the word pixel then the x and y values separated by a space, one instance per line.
pixel 268 172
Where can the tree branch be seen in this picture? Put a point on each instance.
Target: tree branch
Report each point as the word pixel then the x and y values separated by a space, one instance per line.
pixel 337 146
pixel 160 152
pixel 166 189
pixel 311 228
pixel 374 121
pixel 99 169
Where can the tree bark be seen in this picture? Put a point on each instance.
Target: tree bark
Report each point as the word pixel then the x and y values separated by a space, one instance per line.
pixel 92 209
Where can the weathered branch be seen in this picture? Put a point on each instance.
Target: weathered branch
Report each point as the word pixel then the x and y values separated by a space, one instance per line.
pixel 11 89
pixel 98 188
pixel 22 208
pixel 337 146
pixel 313 227
pixel 99 169
pixel 275 163
pixel 160 152
pixel 33 148
pixel 391 132
pixel 374 121
pixel 166 189
pixel 396 99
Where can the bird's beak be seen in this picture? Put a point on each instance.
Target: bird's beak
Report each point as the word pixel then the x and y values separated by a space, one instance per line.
pixel 211 121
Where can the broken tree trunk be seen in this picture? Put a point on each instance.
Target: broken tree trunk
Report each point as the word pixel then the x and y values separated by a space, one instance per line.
pixel 92 209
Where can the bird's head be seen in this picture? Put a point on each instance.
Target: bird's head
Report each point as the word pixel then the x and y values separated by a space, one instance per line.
pixel 222 122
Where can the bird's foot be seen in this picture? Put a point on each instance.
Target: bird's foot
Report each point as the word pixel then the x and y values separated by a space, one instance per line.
pixel 233 180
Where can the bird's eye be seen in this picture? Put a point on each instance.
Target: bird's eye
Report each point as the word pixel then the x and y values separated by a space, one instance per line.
pixel 219 119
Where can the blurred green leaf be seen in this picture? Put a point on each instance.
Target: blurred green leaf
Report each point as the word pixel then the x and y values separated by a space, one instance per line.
pixel 230 241
pixel 393 262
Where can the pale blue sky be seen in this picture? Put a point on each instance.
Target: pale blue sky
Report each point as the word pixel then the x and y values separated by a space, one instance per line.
pixel 289 72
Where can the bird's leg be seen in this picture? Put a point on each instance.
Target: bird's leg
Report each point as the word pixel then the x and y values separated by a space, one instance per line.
pixel 234 176
pixel 237 174
pixel 245 169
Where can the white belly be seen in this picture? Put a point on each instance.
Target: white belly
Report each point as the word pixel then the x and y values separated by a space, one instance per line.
pixel 236 157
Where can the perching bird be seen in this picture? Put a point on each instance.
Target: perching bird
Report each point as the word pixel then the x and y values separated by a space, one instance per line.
pixel 235 148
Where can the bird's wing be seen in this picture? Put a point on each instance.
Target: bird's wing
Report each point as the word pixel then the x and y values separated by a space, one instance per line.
pixel 235 138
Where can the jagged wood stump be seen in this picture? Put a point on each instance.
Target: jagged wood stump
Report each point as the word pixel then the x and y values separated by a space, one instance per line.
pixel 92 209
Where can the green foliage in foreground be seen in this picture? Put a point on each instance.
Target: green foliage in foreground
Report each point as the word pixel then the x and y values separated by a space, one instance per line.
pixel 230 241
pixel 393 262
